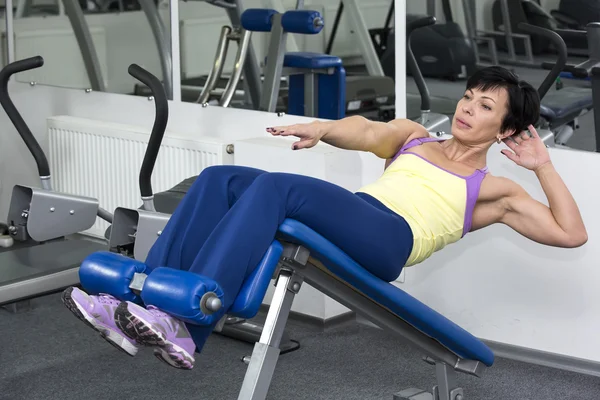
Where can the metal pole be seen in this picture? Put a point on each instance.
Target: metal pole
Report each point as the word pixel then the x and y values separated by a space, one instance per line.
pixel 162 43
pixel 10 33
pixel 175 53
pixel 400 35
pixel 364 39
pixel 508 30
pixel 86 44
pixel 252 80
pixel 431 7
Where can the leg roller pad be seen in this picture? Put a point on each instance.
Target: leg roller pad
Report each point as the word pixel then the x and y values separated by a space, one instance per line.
pixel 190 297
pixel 111 273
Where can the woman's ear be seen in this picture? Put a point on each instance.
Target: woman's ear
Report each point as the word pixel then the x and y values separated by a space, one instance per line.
pixel 506 134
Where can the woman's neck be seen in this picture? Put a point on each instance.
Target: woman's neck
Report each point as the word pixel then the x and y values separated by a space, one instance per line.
pixel 471 155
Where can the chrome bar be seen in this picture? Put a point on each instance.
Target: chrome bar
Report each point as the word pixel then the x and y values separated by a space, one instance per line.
pixel 243 45
pixel 217 69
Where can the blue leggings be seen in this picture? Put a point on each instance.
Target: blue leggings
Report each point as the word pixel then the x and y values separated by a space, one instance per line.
pixel 229 218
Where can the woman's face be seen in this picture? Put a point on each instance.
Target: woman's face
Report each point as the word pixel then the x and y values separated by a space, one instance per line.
pixel 479 116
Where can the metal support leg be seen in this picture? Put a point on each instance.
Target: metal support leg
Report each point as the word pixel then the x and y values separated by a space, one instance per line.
pixel 596 100
pixel 261 364
pixel 86 44
pixel 311 94
pixel 162 43
pixel 471 26
pixel 274 67
pixel 508 30
pixel 252 80
pixel 367 49
pixel 444 390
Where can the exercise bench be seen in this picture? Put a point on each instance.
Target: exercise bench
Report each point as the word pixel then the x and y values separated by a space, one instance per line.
pixel 297 255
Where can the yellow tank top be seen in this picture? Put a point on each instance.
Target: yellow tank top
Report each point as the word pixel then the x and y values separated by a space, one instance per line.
pixel 436 203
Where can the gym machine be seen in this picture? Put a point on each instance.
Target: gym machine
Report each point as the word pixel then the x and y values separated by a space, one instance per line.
pixel 512 16
pixel 588 69
pixel 531 11
pixel 435 123
pixel 134 231
pixel 442 50
pixel 559 109
pixel 38 258
pixel 372 94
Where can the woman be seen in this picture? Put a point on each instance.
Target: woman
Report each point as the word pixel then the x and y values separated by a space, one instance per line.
pixel 431 194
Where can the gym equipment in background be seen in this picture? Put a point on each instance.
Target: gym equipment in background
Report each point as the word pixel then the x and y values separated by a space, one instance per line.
pixel 576 14
pixel 435 123
pixel 508 14
pixel 317 81
pixel 39 259
pixel 559 109
pixel 134 231
pixel 587 70
pixel 441 50
pixel 370 91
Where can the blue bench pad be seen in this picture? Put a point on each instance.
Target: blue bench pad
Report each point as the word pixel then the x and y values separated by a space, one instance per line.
pixel 308 60
pixel 417 314
pixel 558 104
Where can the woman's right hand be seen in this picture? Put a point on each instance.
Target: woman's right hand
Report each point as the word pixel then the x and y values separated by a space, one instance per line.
pixel 309 134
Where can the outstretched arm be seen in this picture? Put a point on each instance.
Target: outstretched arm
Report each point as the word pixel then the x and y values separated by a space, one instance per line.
pixel 559 224
pixel 354 133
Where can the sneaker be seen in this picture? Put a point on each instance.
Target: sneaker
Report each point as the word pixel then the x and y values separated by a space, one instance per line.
pixel 152 327
pixel 98 312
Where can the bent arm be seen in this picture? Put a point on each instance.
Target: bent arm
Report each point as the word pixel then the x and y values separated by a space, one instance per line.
pixel 560 224
pixel 383 139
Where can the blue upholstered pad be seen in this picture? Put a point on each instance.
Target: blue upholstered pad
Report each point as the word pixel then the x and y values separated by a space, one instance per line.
pixel 565 102
pixel 417 314
pixel 308 60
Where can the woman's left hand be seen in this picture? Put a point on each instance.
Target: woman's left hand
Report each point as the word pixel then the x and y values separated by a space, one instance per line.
pixel 527 151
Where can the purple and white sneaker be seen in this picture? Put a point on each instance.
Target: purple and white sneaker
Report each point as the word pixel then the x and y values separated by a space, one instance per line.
pixel 152 327
pixel 98 312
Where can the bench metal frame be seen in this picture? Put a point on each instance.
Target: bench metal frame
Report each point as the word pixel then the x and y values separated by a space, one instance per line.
pixel 296 267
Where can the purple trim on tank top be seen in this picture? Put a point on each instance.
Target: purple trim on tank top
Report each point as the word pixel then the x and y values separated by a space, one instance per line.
pixel 473 181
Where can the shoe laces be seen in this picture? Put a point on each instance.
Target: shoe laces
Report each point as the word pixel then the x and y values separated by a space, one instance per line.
pixel 104 298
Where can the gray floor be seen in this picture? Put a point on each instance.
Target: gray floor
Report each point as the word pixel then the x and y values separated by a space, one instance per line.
pixel 448 93
pixel 49 354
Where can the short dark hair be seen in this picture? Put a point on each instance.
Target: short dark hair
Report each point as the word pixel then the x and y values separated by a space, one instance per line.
pixel 523 99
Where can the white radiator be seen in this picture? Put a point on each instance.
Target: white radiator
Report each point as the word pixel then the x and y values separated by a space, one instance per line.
pixel 102 160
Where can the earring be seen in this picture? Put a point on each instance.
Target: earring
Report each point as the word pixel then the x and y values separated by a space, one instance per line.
pixel 498 140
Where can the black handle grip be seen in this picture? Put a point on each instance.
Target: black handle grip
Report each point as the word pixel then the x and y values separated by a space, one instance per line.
pixel 411 61
pixel 561 48
pixel 419 23
pixel 158 129
pixel 14 115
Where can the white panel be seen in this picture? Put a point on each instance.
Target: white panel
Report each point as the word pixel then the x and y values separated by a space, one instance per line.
pixel 63 64
pixel 103 160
